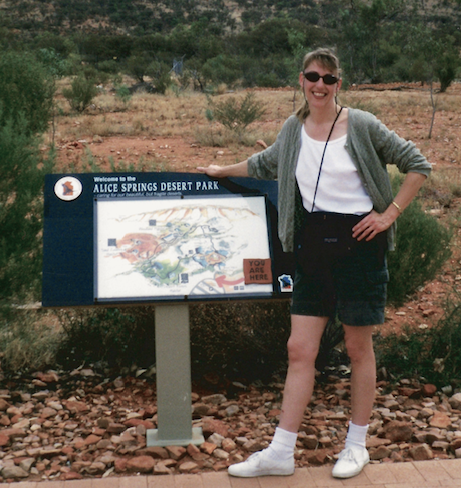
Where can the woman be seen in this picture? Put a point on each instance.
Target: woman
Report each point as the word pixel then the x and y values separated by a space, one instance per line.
pixel 330 163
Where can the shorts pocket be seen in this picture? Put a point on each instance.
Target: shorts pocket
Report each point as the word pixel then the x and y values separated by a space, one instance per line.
pixel 379 277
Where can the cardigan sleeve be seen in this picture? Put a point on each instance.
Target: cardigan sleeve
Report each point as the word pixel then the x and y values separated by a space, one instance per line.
pixel 393 149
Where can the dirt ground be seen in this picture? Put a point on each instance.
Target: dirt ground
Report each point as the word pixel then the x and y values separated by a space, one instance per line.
pixel 183 153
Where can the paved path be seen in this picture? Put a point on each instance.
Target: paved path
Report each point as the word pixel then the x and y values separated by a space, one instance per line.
pixel 421 474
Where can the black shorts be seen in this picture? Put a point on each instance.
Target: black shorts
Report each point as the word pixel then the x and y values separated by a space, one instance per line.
pixel 352 287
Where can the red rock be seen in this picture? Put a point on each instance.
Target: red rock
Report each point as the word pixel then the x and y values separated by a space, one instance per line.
pixel 192 450
pixel 188 466
pixel 120 465
pixel 92 439
pixel 421 453
pixel 380 453
pixel 318 458
pixel 456 444
pixel 4 440
pixel 176 452
pixel 114 428
pixel 208 447
pixel 70 475
pixel 156 452
pixel 440 420
pixel 48 412
pixel 4 405
pixel 214 426
pixel 13 432
pixel 397 431
pixel 429 390
pixel 79 443
pixel 310 441
pixel 49 377
pixel 127 439
pixel 76 407
pixel 374 441
pixel 140 464
pixel 408 392
pixel 135 422
pixel 160 469
pixel 67 450
pixel 5 420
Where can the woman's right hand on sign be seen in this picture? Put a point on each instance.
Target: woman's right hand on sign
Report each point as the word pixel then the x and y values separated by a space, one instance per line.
pixel 213 170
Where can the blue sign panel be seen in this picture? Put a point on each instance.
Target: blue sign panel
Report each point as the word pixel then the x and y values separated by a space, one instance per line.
pixel 148 237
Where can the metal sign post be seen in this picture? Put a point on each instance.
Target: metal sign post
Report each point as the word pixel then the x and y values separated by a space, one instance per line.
pixel 174 387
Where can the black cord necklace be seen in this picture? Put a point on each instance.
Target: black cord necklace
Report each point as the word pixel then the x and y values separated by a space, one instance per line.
pixel 323 155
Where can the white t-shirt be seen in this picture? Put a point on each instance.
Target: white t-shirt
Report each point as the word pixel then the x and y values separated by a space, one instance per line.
pixel 340 189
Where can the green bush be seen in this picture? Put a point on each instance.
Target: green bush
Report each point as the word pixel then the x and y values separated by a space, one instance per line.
pixel 81 93
pixel 236 115
pixel 431 353
pixel 422 247
pixel 123 93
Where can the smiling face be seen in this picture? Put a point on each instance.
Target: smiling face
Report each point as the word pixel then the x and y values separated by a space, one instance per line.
pixel 319 94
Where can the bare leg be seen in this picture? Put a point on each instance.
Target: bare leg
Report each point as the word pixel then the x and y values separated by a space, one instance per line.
pixel 359 346
pixel 303 346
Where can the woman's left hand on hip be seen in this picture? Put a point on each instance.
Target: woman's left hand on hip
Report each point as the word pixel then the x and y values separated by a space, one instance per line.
pixel 371 225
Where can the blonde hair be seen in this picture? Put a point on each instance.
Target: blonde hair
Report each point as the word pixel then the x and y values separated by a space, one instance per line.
pixel 326 58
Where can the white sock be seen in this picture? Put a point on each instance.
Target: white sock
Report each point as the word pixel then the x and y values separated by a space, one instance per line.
pixel 283 444
pixel 356 436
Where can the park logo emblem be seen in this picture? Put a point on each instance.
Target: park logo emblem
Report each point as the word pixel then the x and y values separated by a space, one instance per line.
pixel 68 188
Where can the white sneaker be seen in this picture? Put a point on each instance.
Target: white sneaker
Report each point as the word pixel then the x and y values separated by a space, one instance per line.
pixel 260 464
pixel 350 463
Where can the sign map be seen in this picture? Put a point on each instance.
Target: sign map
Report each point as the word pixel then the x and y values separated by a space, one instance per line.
pixel 178 246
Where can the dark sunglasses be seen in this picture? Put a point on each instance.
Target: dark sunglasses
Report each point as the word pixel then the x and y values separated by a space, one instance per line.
pixel 313 76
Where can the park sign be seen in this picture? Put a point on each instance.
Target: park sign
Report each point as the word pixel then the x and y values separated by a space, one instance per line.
pixel 115 238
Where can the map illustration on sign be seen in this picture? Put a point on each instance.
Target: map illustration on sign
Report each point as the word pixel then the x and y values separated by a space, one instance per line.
pixel 166 248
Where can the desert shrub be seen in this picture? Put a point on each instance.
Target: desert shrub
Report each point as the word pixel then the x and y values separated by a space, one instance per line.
pixel 422 247
pixel 239 340
pixel 123 93
pixel 109 66
pixel 160 74
pixel 27 341
pixel 116 338
pixel 431 353
pixel 81 93
pixel 54 62
pixel 234 114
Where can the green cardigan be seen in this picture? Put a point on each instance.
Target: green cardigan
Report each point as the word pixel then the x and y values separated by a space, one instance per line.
pixel 371 146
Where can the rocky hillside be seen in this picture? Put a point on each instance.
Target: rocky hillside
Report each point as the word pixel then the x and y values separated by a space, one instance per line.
pixel 138 17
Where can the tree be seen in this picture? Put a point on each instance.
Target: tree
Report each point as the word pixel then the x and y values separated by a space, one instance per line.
pixel 26 93
pixel 21 172
pixel 447 63
pixel 137 65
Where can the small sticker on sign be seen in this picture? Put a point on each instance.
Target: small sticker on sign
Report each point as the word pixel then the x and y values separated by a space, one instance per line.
pixel 257 271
